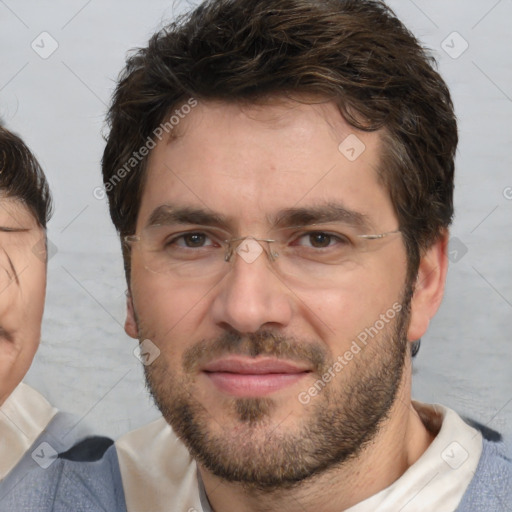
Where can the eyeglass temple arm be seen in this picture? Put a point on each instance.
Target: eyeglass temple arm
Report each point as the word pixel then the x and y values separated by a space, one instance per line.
pixel 380 235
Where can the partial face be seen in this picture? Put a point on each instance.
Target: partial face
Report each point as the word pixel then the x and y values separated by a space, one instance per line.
pixel 22 291
pixel 296 344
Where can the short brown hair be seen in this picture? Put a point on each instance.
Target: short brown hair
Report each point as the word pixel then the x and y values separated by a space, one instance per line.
pixel 21 177
pixel 355 52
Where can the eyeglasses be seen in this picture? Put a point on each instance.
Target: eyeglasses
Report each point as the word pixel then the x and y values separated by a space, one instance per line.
pixel 309 254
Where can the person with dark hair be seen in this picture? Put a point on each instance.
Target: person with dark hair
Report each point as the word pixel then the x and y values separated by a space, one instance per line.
pixel 45 458
pixel 281 177
pixel 25 208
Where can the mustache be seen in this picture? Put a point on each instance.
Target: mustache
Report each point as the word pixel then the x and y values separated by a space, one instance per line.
pixel 262 343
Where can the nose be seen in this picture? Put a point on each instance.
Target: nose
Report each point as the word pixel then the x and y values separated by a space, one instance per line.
pixel 252 296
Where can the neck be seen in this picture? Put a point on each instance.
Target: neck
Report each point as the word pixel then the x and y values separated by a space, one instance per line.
pixel 399 443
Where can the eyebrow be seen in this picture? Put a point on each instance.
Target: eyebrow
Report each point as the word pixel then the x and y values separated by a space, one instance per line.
pixel 291 217
pixel 167 214
pixel 324 213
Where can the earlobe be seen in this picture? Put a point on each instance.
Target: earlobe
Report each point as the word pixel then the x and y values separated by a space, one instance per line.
pixel 429 287
pixel 130 324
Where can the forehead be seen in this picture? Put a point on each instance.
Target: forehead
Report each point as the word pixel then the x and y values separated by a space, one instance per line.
pixel 15 214
pixel 252 161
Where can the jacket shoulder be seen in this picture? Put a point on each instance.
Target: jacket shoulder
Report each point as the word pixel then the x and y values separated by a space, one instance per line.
pixel 491 486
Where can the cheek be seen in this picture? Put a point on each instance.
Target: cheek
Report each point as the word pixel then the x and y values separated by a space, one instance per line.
pixel 340 313
pixel 34 280
pixel 21 312
pixel 33 294
pixel 14 364
pixel 168 311
pixel 22 303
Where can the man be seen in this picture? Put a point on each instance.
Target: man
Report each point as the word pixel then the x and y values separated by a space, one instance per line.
pixel 47 462
pixel 281 176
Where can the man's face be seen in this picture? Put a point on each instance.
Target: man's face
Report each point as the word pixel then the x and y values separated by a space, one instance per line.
pixel 22 291
pixel 241 347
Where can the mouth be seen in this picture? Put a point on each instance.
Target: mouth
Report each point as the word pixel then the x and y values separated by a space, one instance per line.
pixel 250 377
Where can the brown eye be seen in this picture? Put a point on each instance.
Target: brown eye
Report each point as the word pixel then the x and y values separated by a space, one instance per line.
pixel 320 240
pixel 194 239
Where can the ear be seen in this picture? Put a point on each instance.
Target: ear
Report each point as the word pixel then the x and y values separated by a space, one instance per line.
pixel 429 287
pixel 130 324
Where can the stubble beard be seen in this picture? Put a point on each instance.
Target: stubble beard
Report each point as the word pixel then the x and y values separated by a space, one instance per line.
pixel 245 442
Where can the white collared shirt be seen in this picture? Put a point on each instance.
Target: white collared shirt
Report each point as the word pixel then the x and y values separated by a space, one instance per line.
pixel 23 417
pixel 159 474
pixel 439 478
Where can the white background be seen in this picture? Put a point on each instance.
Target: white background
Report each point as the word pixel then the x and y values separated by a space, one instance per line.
pixel 85 363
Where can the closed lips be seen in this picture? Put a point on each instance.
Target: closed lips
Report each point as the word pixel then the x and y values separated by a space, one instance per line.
pixel 248 366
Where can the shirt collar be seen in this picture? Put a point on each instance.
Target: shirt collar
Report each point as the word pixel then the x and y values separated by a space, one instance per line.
pixel 157 469
pixel 440 477
pixel 437 480
pixel 23 417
